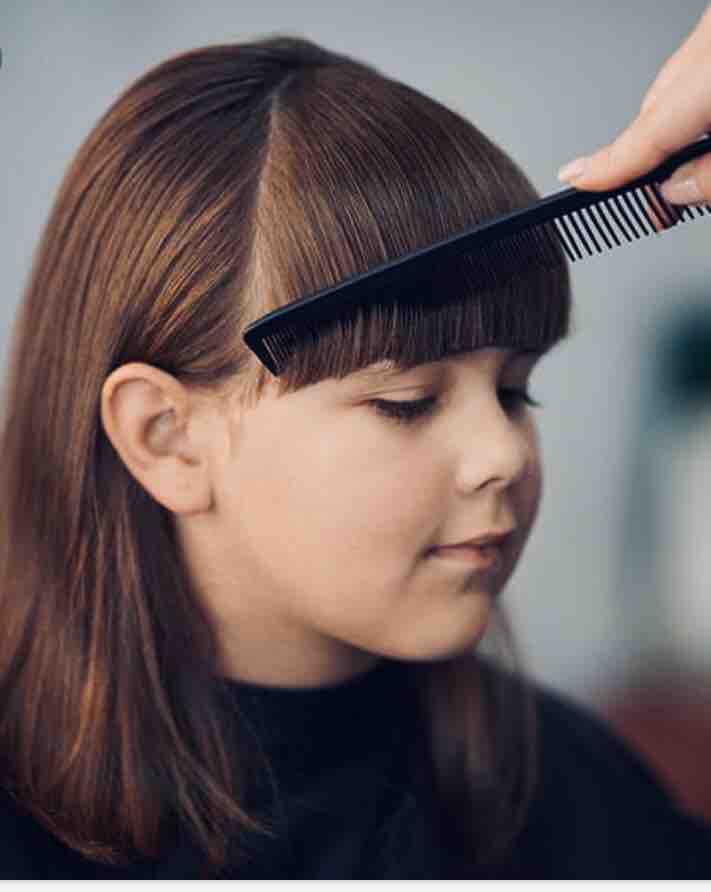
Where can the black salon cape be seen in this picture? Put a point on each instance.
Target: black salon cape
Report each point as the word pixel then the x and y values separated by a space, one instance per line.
pixel 356 802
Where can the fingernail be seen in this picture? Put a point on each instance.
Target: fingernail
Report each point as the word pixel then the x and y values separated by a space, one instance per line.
pixel 573 169
pixel 682 188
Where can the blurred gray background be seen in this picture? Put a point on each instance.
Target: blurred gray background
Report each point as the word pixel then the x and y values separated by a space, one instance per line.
pixel 617 573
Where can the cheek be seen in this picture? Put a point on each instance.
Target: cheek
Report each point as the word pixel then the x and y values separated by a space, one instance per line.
pixel 380 505
pixel 368 497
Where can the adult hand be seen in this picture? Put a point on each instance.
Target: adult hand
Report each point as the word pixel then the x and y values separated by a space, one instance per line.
pixel 675 111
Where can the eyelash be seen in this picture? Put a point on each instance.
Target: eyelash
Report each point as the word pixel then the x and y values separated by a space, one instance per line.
pixel 412 410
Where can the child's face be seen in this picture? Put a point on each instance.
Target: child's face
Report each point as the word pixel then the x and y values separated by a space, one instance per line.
pixel 316 560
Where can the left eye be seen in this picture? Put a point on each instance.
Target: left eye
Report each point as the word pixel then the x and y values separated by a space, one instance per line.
pixel 411 410
pixel 404 411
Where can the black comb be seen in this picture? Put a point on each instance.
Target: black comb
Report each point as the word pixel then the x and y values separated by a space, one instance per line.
pixel 578 220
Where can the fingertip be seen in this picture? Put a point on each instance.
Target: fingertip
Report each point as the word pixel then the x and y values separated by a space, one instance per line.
pixel 573 170
pixel 601 170
pixel 589 171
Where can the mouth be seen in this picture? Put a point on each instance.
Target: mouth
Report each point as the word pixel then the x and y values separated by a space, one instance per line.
pixel 483 557
pixel 494 537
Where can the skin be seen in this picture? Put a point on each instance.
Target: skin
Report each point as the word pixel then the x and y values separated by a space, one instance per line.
pixel 675 111
pixel 307 520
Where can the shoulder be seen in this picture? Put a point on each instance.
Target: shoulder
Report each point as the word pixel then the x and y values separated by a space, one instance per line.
pixel 575 734
pixel 601 811
pixel 29 851
pixel 24 845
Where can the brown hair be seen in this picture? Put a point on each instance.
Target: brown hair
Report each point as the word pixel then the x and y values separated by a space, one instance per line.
pixel 223 183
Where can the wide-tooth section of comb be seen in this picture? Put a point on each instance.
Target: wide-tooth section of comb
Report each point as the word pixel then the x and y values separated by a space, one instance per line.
pixel 628 215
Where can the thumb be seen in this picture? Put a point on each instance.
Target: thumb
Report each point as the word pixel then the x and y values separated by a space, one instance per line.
pixel 690 184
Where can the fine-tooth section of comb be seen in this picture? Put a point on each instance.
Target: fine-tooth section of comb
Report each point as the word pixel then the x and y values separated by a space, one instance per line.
pixel 582 223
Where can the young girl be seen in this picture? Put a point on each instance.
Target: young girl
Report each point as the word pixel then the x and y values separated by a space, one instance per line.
pixel 238 640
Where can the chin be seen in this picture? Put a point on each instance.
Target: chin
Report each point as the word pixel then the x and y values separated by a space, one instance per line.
pixel 442 647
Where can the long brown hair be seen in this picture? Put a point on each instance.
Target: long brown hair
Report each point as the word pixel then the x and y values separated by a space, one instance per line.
pixel 223 183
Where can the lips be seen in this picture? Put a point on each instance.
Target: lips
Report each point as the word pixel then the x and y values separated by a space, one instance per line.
pixel 484 557
pixel 494 537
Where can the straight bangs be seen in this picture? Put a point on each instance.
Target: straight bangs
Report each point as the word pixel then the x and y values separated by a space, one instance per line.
pixel 360 170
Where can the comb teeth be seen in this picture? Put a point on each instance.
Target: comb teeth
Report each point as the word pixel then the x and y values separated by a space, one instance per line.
pixel 598 226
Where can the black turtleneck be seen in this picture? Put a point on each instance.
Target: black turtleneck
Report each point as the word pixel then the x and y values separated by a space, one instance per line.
pixel 352 797
pixel 350 793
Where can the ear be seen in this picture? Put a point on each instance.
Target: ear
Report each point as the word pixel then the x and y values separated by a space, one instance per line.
pixel 156 427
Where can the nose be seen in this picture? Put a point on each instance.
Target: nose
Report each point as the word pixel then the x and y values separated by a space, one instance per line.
pixel 498 445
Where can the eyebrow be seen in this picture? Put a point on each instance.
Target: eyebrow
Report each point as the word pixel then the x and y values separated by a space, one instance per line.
pixel 388 368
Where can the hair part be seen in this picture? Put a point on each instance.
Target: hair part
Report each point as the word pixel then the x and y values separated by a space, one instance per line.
pixel 404 178
pixel 223 183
